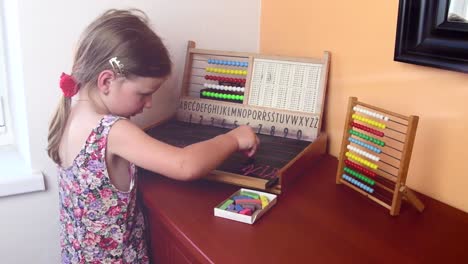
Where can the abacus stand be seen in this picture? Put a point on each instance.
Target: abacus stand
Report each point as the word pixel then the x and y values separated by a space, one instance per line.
pixel 399 191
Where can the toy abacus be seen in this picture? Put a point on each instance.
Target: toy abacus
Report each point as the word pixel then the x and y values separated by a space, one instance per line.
pixel 375 154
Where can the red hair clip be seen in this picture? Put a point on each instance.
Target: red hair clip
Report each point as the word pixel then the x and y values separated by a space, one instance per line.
pixel 68 85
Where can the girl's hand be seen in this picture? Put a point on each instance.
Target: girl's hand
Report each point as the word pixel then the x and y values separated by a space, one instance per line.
pixel 246 139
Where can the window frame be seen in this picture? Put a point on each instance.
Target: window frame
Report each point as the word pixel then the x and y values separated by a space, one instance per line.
pixel 6 131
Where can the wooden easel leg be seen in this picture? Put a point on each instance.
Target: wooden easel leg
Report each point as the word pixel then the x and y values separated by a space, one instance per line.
pixel 412 198
pixel 396 203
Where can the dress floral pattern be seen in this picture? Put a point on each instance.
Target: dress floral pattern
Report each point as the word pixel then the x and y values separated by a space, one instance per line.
pixel 99 223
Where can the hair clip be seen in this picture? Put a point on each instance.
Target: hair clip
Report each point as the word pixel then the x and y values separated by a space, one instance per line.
pixel 117 66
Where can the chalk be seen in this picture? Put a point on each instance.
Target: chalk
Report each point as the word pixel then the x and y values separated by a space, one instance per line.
pixel 254 202
pixel 237 197
pixel 238 208
pixel 246 211
pixel 226 204
pixel 248 201
pixel 251 194
pixel 250 206
pixel 231 208
pixel 264 200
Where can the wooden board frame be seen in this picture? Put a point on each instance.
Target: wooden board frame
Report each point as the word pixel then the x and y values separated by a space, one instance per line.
pixel 309 124
pixel 399 191
pixel 303 160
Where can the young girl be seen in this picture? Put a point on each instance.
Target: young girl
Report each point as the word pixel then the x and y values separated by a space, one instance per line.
pixel 119 64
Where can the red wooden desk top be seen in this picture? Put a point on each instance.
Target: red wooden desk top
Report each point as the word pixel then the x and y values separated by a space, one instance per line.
pixel 314 221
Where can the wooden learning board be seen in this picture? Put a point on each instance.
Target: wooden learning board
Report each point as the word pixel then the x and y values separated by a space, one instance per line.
pixel 375 154
pixel 281 98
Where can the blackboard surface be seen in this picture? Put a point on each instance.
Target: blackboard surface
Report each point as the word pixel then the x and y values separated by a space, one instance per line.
pixel 272 155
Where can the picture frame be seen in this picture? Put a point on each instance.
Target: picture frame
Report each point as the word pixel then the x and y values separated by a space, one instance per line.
pixel 426 37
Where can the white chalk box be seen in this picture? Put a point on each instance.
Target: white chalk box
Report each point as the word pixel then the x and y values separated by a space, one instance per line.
pixel 248 219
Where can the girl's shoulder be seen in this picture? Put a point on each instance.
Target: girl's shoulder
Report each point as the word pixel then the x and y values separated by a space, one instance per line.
pixel 109 119
pixel 83 131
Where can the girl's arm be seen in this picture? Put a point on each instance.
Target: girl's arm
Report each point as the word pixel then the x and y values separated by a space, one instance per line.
pixel 191 162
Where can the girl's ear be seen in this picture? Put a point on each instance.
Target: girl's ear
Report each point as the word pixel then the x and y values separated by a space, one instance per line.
pixel 104 81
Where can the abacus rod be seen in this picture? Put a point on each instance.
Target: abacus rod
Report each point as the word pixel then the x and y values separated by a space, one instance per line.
pixel 385 176
pixel 200 59
pixel 204 84
pixel 395 139
pixel 389 164
pixel 240 55
pixel 380 169
pixel 395 130
pixel 203 76
pixel 378 109
pixel 390 156
pixel 384 187
pixel 397 122
pixel 392 148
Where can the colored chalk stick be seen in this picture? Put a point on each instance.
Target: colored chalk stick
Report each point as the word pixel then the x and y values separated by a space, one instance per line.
pixel 237 197
pixel 251 194
pixel 248 201
pixel 246 211
pixel 254 202
pixel 231 208
pixel 226 204
pixel 264 201
pixel 238 208
pixel 250 206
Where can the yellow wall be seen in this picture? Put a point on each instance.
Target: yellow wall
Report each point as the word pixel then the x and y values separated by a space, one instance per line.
pixel 361 37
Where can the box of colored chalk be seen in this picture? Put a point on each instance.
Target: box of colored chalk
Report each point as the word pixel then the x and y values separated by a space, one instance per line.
pixel 245 205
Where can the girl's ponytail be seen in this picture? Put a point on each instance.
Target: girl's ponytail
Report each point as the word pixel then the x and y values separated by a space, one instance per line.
pixel 57 127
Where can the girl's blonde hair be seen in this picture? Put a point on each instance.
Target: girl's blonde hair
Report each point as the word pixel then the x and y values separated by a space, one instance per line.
pixel 124 34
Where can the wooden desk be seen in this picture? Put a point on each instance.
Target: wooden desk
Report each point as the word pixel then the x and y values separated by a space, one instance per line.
pixel 314 221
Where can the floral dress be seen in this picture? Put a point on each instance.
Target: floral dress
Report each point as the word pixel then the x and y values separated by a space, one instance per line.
pixel 99 223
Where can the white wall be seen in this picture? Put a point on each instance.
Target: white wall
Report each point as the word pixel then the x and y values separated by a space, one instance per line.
pixel 48 30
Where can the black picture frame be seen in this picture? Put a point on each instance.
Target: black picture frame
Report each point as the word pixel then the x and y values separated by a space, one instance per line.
pixel 425 37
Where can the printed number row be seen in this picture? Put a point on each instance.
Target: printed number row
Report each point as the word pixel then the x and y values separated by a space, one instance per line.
pixel 272 130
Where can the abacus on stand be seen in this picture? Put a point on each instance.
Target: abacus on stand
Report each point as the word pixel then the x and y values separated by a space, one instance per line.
pixel 375 155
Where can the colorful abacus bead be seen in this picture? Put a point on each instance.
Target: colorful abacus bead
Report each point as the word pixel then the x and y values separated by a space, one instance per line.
pixel 228 63
pixel 360 168
pixel 358 183
pixel 365 145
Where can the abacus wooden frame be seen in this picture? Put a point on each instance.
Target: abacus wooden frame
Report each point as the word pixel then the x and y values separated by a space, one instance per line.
pixel 400 190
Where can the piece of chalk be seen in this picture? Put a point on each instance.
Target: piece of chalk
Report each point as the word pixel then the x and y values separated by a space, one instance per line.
pixel 238 208
pixel 253 202
pixel 250 206
pixel 264 200
pixel 231 208
pixel 246 211
pixel 248 201
pixel 251 194
pixel 237 197
pixel 226 204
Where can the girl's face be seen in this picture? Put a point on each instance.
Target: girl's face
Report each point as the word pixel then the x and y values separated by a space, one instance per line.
pixel 128 97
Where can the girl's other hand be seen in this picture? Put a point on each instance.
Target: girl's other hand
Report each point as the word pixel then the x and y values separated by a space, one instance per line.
pixel 246 139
